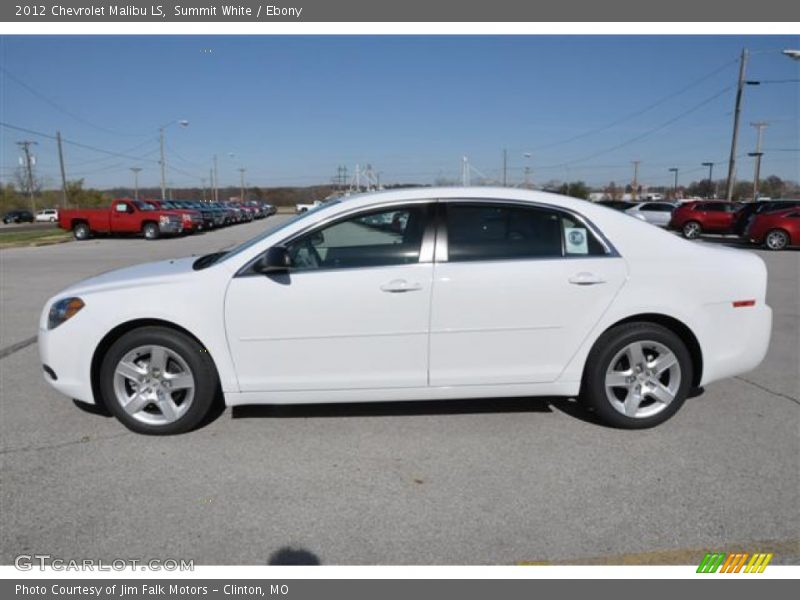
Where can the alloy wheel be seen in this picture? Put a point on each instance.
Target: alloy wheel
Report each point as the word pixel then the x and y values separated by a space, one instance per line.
pixel 154 385
pixel 642 379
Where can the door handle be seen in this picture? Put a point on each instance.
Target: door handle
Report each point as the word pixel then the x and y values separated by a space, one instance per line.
pixel 586 279
pixel 397 286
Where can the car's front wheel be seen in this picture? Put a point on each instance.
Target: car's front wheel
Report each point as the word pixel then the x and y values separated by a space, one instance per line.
pixel 637 375
pixel 158 381
pixel 777 239
pixel 692 230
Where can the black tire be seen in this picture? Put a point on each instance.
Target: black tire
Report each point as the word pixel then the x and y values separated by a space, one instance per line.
pixel 151 231
pixel 593 388
pixel 206 381
pixel 691 230
pixel 776 239
pixel 81 231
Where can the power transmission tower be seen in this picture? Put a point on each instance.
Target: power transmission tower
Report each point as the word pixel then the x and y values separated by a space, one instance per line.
pixel 26 150
pixel 464 171
pixel 760 126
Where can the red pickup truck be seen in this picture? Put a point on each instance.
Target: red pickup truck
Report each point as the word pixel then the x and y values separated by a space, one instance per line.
pixel 124 216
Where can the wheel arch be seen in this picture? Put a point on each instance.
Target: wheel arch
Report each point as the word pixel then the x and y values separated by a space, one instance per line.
pixel 677 327
pixel 120 330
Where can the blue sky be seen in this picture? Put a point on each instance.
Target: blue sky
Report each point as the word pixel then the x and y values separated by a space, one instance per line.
pixel 290 109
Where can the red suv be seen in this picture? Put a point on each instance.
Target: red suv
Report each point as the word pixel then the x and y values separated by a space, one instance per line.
pixel 705 216
pixel 775 230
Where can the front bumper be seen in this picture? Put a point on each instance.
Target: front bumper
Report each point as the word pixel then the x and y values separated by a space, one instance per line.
pixel 69 358
pixel 170 227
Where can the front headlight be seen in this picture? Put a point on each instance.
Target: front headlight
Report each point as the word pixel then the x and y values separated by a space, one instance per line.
pixel 63 309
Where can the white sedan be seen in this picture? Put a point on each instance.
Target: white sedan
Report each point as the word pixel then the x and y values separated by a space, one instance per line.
pixel 655 213
pixel 416 294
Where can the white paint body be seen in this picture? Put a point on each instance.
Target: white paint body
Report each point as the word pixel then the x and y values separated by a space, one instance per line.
pixel 466 329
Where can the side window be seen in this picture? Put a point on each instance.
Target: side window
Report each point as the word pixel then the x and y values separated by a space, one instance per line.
pixel 122 208
pixel 373 239
pixel 500 232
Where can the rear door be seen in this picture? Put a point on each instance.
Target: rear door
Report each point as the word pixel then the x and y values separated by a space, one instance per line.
pixel 516 290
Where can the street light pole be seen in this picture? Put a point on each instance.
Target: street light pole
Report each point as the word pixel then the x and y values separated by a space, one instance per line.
pixel 182 123
pixel 675 185
pixel 759 125
pixel 712 193
pixel 136 171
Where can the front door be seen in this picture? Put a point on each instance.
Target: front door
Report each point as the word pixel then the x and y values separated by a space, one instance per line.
pixel 351 312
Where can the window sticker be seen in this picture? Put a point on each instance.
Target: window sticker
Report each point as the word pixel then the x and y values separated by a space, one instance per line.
pixel 577 240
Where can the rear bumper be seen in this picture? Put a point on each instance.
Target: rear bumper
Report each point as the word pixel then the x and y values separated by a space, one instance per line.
pixel 735 340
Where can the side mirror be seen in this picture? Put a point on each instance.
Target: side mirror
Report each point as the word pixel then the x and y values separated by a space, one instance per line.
pixel 275 260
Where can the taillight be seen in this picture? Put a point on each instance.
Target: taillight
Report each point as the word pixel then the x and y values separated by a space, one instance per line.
pixel 743 303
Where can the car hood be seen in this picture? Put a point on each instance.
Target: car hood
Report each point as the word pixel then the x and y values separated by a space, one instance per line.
pixel 153 273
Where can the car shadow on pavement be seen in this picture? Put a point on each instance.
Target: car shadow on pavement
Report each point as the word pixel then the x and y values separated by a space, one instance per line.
pixel 735 242
pixel 289 555
pixel 415 408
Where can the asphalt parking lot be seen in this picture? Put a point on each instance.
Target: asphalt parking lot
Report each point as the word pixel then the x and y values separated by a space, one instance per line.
pixel 463 482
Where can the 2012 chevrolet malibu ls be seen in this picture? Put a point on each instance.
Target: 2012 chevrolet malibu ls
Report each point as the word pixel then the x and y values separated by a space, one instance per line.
pixel 416 295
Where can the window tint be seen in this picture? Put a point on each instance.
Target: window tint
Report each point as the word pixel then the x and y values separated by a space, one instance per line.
pixel 497 232
pixel 373 239
pixel 657 207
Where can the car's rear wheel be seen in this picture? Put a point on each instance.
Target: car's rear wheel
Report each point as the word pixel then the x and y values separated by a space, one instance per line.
pixel 81 231
pixel 158 381
pixel 150 231
pixel 637 375
pixel 691 230
pixel 777 239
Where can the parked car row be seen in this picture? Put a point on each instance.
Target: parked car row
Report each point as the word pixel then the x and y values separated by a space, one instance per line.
pixel 774 224
pixel 154 218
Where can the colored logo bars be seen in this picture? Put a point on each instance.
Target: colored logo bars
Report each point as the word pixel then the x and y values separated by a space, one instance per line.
pixel 734 563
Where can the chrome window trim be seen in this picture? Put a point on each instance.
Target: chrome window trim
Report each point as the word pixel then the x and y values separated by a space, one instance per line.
pixel 442 255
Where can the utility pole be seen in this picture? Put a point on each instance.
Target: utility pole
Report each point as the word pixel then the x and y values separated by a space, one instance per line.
pixel 735 138
pixel 136 171
pixel 26 150
pixel 675 185
pixel 759 125
pixel 635 190
pixel 241 188
pixel 712 191
pixel 163 164
pixel 203 183
pixel 505 167
pixel 465 171
pixel 216 180
pixel 64 198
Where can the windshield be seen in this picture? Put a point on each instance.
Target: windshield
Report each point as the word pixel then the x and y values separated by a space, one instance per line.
pixel 210 259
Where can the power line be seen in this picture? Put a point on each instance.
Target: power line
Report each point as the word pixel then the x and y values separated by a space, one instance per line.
pixel 640 112
pixel 60 108
pixel 649 132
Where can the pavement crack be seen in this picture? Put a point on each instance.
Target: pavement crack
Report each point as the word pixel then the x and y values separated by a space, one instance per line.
pixel 84 440
pixel 769 391
pixel 9 350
